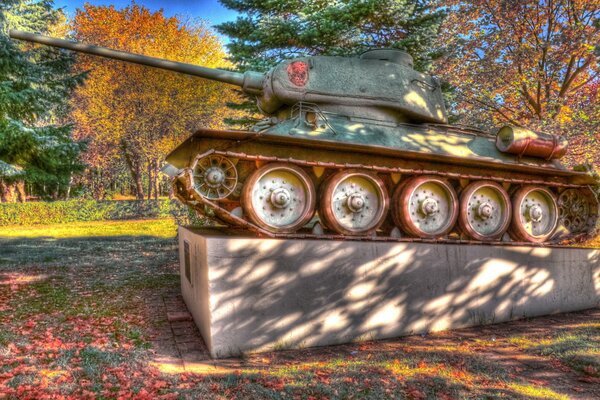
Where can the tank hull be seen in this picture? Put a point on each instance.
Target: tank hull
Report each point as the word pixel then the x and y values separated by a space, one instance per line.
pixel 473 154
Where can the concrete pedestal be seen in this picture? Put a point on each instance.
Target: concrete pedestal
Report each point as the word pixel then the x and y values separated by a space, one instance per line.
pixel 248 294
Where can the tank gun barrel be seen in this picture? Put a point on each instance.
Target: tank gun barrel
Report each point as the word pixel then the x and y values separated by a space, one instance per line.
pixel 251 82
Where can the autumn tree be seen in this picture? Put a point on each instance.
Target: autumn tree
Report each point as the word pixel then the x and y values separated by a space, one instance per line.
pixel 36 147
pixel 268 32
pixel 529 62
pixel 583 126
pixel 134 115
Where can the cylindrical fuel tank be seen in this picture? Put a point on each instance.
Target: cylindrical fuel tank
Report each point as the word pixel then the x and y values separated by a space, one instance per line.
pixel 524 142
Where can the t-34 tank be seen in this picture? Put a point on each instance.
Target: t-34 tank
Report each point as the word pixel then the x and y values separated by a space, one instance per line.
pixel 359 147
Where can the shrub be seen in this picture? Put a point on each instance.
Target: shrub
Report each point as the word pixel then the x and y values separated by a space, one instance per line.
pixel 91 210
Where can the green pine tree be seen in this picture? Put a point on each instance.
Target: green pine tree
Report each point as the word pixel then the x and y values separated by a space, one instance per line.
pixel 269 31
pixel 35 84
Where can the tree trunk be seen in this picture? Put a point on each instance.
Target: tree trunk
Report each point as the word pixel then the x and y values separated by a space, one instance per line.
pixel 150 185
pixel 8 192
pixel 100 189
pixel 139 186
pixel 20 189
pixel 156 180
pixel 135 170
pixel 68 193
pixel 171 192
pixel 2 191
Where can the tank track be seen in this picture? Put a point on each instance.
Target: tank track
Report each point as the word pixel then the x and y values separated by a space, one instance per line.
pixel 184 191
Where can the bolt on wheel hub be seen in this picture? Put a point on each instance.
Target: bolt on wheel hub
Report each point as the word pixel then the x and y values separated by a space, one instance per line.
pixel 280 197
pixel 485 210
pixel 429 206
pixel 214 176
pixel 356 202
pixel 536 213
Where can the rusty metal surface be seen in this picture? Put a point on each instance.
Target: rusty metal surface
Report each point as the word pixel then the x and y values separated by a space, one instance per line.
pixel 397 170
pixel 426 206
pixel 187 195
pixel 184 183
pixel 215 176
pixel 575 207
pixel 233 139
pixel 485 210
pixel 535 214
pixel 279 197
pixel 365 202
pixel 524 142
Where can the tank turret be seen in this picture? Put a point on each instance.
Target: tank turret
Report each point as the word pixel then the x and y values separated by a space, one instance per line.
pixel 359 148
pixel 379 84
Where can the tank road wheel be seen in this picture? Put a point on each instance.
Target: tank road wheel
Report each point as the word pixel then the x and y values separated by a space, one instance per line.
pixel 354 203
pixel 573 210
pixel 279 198
pixel 535 214
pixel 485 210
pixel 214 177
pixel 425 207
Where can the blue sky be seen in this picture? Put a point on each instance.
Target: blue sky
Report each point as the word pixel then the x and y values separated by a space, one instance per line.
pixel 210 10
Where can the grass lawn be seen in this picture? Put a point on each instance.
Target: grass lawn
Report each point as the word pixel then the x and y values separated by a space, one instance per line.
pixel 75 321
pixel 160 228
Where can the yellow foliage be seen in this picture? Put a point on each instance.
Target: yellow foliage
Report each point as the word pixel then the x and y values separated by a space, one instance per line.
pixel 536 392
pixel 565 115
pixel 138 114
pixel 59 28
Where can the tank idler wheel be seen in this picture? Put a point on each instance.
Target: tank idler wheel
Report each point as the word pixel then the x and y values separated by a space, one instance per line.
pixel 214 177
pixel 279 198
pixel 353 203
pixel 535 214
pixel 425 207
pixel 573 210
pixel 485 210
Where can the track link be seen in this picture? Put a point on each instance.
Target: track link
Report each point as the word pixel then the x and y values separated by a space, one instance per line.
pixel 184 191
